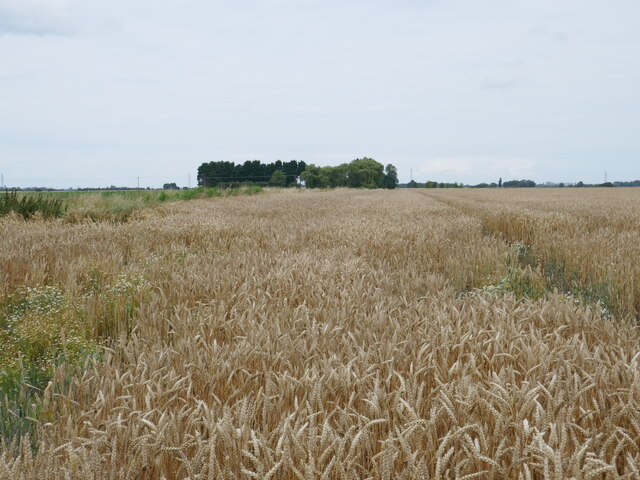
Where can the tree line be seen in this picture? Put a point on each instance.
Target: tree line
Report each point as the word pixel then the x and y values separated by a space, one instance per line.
pixel 359 173
pixel 507 184
pixel 228 174
pixel 431 184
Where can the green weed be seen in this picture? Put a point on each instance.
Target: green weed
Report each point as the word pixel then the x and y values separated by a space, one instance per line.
pixel 40 330
pixel 43 330
pixel 530 275
pixel 30 205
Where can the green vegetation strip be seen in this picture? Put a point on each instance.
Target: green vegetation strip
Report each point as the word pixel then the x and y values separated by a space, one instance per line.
pixel 47 334
pixel 532 276
pixel 112 205
pixel 30 205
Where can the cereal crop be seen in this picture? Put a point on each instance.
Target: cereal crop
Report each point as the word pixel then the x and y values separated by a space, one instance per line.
pixel 343 334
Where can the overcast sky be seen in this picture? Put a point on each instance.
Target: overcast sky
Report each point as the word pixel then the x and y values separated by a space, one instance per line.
pixel 97 92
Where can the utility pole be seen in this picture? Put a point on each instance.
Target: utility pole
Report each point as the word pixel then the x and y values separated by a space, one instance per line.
pixel 2 180
pixel 411 181
pixel 138 183
pixel 605 176
pixel 189 181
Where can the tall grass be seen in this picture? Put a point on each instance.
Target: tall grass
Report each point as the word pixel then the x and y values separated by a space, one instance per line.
pixel 30 205
pixel 112 205
pixel 319 335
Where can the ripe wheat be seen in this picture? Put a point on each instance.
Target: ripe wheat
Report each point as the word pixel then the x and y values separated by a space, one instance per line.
pixel 341 335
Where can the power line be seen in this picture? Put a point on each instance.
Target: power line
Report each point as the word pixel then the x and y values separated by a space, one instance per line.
pixel 203 180
pixel 247 176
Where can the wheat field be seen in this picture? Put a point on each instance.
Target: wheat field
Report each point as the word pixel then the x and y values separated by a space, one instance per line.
pixel 348 334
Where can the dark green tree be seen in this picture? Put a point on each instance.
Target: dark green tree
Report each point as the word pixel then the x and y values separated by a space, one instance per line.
pixel 365 172
pixel 278 179
pixel 311 177
pixel 519 183
pixel 214 174
pixel 390 177
pixel 359 173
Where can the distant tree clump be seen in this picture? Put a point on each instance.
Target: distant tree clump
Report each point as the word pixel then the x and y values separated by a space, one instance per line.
pixel 634 183
pixel 360 173
pixel 170 186
pixel 228 174
pixel 519 183
pixel 433 184
pixel 110 187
